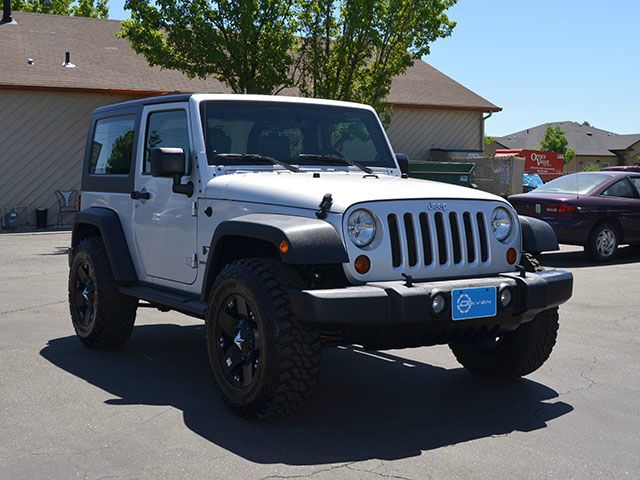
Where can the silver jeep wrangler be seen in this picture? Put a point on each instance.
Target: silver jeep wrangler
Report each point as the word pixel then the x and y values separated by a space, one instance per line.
pixel 289 224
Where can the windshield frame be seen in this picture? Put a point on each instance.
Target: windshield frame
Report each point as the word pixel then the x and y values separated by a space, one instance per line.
pixel 381 143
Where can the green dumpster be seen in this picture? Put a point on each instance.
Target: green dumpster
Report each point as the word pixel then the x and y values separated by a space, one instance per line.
pixel 456 173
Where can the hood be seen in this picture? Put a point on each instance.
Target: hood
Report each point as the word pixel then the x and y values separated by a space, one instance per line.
pixel 303 190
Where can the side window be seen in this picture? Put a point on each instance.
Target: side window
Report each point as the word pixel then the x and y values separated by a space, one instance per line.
pixel 636 182
pixel 622 188
pixel 112 146
pixel 166 129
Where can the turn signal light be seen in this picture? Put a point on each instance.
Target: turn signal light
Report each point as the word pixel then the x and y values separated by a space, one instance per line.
pixel 512 256
pixel 559 208
pixel 362 264
pixel 283 247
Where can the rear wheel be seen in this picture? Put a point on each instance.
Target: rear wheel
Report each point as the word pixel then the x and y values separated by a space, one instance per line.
pixel 602 244
pixel 512 354
pixel 265 363
pixel 102 317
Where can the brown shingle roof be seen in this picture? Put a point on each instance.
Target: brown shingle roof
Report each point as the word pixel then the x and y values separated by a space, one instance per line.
pixel 584 139
pixel 106 62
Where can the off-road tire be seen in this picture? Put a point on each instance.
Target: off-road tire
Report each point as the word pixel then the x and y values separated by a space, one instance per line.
pixel 591 249
pixel 289 362
pixel 513 354
pixel 113 314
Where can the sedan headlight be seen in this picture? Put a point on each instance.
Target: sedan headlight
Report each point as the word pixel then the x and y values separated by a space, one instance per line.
pixel 501 223
pixel 361 227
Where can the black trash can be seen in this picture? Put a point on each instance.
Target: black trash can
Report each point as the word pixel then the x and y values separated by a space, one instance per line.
pixel 41 217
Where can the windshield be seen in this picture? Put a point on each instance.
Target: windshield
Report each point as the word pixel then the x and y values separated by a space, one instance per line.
pixel 575 183
pixel 293 133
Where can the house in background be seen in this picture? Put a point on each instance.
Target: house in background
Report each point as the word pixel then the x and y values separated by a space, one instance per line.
pixel 46 102
pixel 593 146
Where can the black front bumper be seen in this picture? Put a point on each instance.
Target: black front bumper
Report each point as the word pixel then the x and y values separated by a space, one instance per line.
pixel 394 304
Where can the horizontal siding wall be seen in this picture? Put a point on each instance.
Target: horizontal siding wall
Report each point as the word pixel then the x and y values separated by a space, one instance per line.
pixel 415 131
pixel 42 140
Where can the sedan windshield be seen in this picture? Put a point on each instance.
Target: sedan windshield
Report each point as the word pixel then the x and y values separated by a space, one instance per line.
pixel 297 134
pixel 574 184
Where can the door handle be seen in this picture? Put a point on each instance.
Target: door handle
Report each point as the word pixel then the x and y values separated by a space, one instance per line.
pixel 140 195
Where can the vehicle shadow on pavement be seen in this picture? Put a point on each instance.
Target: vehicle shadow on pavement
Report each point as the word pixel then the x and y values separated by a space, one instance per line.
pixel 366 406
pixel 577 259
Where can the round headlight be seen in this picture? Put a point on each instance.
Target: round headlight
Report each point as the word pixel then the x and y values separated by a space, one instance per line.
pixel 501 223
pixel 361 227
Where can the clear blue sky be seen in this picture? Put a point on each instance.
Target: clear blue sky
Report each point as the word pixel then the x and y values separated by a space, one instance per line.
pixel 542 60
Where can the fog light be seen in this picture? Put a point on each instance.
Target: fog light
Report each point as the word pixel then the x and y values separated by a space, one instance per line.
pixel 362 264
pixel 505 297
pixel 438 304
pixel 512 256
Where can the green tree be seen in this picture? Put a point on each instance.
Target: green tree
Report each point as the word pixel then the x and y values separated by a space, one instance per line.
pixel 338 49
pixel 487 140
pixel 244 43
pixel 555 140
pixel 352 49
pixel 81 8
pixel 585 124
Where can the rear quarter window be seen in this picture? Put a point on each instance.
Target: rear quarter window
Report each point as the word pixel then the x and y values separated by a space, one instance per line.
pixel 622 188
pixel 112 146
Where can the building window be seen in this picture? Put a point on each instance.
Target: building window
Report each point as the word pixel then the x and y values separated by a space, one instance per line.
pixel 112 146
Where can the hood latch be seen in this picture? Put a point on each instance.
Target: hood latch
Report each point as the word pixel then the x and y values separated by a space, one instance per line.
pixel 325 205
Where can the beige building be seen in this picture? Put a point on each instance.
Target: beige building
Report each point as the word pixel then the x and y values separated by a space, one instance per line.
pixel 45 105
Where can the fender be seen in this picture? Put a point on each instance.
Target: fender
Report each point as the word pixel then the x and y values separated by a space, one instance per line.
pixel 537 235
pixel 311 241
pixel 108 223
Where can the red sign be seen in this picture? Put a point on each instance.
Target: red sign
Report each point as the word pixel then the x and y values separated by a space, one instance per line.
pixel 548 165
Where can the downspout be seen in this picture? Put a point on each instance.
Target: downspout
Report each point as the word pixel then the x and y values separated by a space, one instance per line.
pixel 6 13
pixel 482 130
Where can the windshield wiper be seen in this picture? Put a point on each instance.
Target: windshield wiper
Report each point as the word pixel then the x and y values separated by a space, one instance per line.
pixel 258 157
pixel 336 158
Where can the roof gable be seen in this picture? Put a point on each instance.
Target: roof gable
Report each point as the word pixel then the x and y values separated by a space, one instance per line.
pixel 105 62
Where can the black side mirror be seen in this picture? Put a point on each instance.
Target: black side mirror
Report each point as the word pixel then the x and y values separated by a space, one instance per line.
pixel 170 163
pixel 167 162
pixel 403 163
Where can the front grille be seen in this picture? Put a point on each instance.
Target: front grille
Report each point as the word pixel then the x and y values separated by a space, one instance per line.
pixel 438 239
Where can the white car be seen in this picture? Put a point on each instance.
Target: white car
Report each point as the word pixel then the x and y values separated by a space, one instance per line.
pixel 288 224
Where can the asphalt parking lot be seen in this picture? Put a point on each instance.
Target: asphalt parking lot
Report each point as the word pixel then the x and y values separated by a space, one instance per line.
pixel 151 411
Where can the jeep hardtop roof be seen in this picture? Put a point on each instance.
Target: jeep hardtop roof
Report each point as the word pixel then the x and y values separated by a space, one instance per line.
pixel 184 97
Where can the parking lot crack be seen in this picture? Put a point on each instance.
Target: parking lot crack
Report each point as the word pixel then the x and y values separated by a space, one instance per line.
pixel 378 474
pixel 311 474
pixel 32 307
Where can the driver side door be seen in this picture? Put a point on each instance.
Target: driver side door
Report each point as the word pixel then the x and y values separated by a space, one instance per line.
pixel 164 222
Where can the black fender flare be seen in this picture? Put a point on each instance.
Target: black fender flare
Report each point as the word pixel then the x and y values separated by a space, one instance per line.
pixel 108 224
pixel 537 235
pixel 311 241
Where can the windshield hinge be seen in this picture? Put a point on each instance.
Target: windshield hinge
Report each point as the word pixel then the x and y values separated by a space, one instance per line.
pixel 194 209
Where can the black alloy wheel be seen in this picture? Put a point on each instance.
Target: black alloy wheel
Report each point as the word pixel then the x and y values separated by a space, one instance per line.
pixel 84 297
pixel 238 341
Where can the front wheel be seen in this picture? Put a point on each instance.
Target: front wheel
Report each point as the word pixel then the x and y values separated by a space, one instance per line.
pixel 265 363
